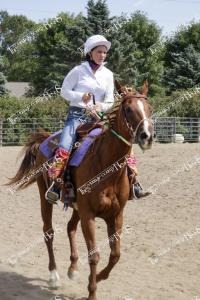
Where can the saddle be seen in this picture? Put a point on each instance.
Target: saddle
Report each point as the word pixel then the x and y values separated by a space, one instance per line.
pixel 83 130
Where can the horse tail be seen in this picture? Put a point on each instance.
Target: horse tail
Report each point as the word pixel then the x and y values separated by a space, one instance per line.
pixel 21 180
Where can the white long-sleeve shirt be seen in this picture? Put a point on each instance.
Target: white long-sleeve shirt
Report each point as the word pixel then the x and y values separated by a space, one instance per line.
pixel 81 80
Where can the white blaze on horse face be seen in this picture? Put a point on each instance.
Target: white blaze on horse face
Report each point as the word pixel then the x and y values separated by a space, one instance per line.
pixel 146 120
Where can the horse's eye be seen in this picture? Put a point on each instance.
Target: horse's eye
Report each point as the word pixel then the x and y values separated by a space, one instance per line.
pixel 129 110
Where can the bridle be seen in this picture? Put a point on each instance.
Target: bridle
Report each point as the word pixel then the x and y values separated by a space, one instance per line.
pixel 133 132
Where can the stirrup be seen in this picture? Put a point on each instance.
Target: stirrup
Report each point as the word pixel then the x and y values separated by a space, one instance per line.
pixel 51 196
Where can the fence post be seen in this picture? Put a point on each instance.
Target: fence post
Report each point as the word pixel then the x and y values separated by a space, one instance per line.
pixel 174 129
pixel 198 138
pixel 1 132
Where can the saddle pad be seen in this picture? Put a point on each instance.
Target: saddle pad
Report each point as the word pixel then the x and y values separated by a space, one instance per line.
pixel 46 148
pixel 79 154
pixel 51 143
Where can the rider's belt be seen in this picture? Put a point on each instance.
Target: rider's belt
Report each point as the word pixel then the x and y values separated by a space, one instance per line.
pixel 77 109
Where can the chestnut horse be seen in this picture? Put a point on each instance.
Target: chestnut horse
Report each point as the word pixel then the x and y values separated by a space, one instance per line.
pixel 129 120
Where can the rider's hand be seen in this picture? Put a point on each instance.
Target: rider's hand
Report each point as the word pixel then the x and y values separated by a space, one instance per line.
pixel 98 107
pixel 86 97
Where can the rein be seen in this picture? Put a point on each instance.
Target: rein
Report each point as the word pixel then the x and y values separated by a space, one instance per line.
pixel 121 137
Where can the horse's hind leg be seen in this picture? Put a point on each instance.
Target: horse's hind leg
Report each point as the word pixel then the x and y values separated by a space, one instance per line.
pixel 71 230
pixel 114 227
pixel 46 212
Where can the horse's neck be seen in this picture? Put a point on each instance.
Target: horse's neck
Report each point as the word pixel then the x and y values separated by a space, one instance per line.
pixel 111 148
pixel 120 125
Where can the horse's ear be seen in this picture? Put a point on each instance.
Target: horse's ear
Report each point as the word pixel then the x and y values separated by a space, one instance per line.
pixel 120 89
pixel 145 88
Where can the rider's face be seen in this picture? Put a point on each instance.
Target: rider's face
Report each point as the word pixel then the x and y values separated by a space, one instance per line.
pixel 99 54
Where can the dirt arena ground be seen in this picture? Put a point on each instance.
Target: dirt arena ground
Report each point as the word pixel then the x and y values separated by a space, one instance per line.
pixel 160 253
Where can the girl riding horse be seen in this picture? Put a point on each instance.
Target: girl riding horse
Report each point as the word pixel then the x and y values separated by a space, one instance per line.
pixel 83 81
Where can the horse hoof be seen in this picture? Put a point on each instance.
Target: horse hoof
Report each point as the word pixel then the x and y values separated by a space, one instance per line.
pixel 54 280
pixel 73 275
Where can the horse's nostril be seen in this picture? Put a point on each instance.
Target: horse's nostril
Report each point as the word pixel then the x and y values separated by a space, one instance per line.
pixel 143 135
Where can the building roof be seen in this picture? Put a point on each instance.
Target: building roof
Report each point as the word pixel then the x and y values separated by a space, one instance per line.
pixel 17 89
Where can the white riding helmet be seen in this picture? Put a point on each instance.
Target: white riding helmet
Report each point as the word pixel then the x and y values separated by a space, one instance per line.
pixel 94 41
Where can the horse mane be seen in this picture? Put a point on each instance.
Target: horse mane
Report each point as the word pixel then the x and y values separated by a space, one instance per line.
pixel 112 112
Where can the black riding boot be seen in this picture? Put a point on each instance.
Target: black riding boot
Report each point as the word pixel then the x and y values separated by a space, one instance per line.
pixel 138 191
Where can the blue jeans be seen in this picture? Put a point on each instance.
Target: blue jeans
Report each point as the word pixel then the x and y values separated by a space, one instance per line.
pixel 69 135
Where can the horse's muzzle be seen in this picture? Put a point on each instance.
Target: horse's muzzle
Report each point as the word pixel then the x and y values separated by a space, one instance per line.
pixel 145 140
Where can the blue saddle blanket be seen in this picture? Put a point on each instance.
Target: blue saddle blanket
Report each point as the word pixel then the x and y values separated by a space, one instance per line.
pixel 78 155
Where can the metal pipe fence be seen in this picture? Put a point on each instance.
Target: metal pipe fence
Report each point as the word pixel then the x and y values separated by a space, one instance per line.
pixel 17 133
pixel 166 128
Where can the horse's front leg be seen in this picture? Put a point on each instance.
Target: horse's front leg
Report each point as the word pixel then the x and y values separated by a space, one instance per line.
pixel 71 230
pixel 88 228
pixel 114 229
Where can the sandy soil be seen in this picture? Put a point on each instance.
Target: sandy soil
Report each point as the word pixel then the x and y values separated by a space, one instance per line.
pixel 160 252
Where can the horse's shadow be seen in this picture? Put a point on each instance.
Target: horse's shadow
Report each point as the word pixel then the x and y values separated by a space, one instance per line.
pixel 13 285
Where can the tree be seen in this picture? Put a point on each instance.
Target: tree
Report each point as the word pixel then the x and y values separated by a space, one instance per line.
pixel 121 58
pixel 60 47
pixel 182 58
pixel 146 33
pixel 57 48
pixel 186 35
pixel 2 78
pixel 97 20
pixel 184 72
pixel 18 57
pixel 130 57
